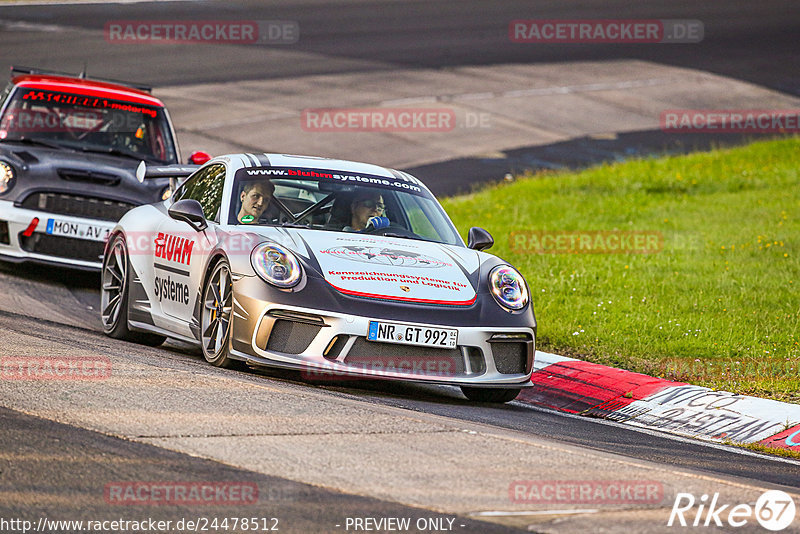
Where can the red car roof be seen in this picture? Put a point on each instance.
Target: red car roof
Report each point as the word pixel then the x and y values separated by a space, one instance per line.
pixel 86 87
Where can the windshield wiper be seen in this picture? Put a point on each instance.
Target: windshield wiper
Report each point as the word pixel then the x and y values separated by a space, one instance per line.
pixel 34 141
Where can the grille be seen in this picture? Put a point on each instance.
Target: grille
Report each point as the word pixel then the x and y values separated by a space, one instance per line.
pixel 77 205
pixel 378 356
pixel 510 358
pixel 63 247
pixel 291 337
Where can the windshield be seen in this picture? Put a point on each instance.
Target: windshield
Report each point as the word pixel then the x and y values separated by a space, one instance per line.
pixel 340 202
pixel 88 123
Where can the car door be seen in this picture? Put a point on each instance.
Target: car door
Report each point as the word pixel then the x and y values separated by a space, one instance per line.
pixel 181 252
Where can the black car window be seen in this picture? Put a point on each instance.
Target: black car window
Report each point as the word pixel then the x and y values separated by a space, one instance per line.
pixel 4 94
pixel 88 123
pixel 205 186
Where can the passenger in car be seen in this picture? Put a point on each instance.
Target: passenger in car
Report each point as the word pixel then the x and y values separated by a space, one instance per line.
pixel 363 208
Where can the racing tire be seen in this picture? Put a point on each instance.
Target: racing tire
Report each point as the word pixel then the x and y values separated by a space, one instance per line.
pixel 114 289
pixel 215 316
pixel 493 395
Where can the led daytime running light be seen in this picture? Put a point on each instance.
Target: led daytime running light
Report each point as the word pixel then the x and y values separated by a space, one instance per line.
pixel 276 265
pixel 508 287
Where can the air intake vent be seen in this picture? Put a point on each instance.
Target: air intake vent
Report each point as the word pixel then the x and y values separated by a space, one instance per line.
pixel 477 362
pixel 291 337
pixel 375 356
pixel 26 156
pixel 335 347
pixel 5 238
pixel 91 177
pixel 510 358
pixel 62 247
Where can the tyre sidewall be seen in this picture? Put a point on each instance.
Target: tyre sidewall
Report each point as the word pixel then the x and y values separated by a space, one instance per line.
pixel 120 328
pixel 220 359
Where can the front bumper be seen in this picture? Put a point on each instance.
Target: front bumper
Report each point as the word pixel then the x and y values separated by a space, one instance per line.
pixel 73 251
pixel 333 345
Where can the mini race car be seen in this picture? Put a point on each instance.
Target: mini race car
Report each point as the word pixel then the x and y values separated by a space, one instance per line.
pixel 69 148
pixel 331 267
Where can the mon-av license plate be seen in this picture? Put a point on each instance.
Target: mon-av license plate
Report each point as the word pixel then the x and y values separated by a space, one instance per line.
pixel 80 230
pixel 407 334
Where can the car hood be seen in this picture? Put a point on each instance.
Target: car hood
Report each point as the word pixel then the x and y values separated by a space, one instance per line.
pixel 390 268
pixel 35 155
pixel 107 176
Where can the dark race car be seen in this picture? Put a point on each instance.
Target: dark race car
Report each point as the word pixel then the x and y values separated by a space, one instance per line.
pixel 69 150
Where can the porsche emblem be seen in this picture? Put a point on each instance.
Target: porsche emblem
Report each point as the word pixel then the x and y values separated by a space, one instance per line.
pixel 405 288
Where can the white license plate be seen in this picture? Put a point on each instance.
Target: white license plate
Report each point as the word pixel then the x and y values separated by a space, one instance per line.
pixel 92 232
pixel 406 334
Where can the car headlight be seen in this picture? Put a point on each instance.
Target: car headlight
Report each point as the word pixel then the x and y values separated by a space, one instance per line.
pixel 166 192
pixel 6 177
pixel 276 265
pixel 508 287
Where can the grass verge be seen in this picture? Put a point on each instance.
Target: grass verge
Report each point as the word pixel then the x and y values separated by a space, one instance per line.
pixel 766 449
pixel 708 291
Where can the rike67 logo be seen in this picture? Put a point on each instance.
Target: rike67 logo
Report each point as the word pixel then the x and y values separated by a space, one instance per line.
pixel 774 510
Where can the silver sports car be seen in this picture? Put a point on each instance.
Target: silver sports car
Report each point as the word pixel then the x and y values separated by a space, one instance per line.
pixel 331 267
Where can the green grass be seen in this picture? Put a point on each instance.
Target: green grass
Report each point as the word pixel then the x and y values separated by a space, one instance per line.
pixel 766 449
pixel 718 305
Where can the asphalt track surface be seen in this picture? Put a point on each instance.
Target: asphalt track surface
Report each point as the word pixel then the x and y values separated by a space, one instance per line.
pixel 438 400
pixel 62 470
pixel 753 41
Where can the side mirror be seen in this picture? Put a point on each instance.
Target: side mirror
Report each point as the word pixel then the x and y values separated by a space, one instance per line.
pixel 198 157
pixel 479 239
pixel 189 210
